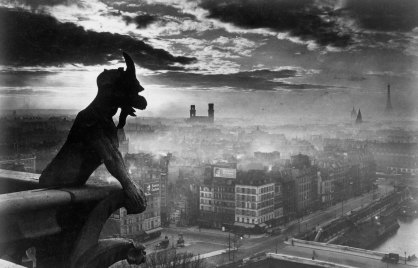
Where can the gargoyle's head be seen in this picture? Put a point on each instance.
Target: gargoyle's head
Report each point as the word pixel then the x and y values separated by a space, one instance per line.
pixel 122 88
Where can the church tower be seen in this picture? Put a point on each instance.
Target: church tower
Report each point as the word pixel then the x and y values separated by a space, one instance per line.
pixel 192 111
pixel 211 112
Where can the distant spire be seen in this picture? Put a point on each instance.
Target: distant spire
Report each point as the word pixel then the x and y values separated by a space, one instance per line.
pixel 353 113
pixel 388 101
pixel 359 118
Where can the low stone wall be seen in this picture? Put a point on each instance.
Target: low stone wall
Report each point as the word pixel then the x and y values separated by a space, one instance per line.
pixel 337 248
pixel 306 261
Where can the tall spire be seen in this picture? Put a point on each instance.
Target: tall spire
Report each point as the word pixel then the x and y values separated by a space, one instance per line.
pixel 353 113
pixel 388 102
pixel 359 118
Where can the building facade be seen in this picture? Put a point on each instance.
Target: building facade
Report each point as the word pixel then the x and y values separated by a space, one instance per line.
pixel 394 157
pixel 150 173
pixel 217 196
pixel 305 178
pixel 254 203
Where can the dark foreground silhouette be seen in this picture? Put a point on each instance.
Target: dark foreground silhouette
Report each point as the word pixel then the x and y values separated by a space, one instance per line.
pixel 93 137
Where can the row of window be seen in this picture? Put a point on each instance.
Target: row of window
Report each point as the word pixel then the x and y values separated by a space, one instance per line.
pixel 224 196
pixel 267 196
pixel 206 208
pixel 254 205
pixel 224 189
pixel 267 210
pixel 251 205
pixel 266 203
pixel 267 189
pixel 245 212
pixel 224 204
pixel 245 190
pixel 205 201
pixel 205 189
pixel 242 197
pixel 238 189
pixel 305 186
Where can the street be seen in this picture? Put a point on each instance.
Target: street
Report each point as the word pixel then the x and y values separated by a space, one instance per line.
pixel 200 241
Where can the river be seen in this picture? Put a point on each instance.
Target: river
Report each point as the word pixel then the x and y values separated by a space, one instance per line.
pixel 405 239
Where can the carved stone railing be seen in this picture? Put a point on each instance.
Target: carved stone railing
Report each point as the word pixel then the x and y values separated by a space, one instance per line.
pixel 61 225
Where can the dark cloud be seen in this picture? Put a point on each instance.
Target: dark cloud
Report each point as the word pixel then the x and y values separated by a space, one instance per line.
pixel 36 39
pixel 301 18
pixel 141 21
pixel 384 15
pixel 263 80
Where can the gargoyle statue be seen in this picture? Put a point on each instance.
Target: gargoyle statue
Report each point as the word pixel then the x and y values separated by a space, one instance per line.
pixel 93 137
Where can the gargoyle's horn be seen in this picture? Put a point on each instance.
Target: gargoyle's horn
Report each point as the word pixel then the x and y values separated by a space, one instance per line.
pixel 130 65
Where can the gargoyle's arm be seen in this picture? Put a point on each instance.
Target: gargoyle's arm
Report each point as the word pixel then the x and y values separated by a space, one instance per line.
pixel 136 201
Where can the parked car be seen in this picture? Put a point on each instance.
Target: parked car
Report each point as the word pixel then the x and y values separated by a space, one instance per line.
pixel 391 258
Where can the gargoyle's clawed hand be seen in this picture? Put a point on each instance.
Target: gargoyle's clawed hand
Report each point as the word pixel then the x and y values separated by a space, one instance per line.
pixel 136 201
pixel 137 254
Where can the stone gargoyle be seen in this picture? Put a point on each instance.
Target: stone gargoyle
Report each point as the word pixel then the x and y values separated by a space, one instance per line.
pixel 93 137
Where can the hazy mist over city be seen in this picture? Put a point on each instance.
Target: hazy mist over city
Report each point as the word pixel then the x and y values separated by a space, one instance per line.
pixel 277 133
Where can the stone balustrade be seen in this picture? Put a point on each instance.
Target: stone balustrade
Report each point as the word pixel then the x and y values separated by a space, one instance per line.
pixel 60 227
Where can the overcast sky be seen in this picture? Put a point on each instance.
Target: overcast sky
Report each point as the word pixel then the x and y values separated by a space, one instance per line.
pixel 250 57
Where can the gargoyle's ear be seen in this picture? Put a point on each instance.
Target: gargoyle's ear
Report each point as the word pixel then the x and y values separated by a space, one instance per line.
pixel 130 65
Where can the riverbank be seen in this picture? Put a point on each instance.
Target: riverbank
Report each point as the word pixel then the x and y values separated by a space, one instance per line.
pixel 404 240
pixel 367 235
